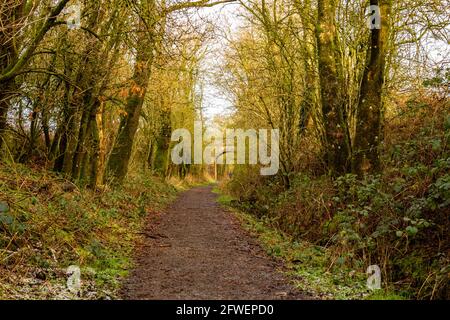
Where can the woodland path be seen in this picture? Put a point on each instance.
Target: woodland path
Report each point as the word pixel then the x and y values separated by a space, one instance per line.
pixel 197 250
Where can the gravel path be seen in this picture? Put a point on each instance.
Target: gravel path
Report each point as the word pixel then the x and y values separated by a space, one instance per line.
pixel 196 250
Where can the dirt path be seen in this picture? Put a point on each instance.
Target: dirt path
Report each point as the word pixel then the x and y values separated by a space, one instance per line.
pixel 196 250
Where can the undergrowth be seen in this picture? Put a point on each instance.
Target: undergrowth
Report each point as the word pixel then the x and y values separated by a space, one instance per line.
pixel 313 268
pixel 48 224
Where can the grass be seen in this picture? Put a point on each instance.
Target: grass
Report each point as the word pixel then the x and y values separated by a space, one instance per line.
pixel 315 270
pixel 52 224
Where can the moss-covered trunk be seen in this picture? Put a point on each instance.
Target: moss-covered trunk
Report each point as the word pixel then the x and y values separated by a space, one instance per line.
pixel 4 107
pixel 369 113
pixel 121 153
pixel 336 138
pixel 10 16
pixel 97 165
pixel 161 160
pixel 62 148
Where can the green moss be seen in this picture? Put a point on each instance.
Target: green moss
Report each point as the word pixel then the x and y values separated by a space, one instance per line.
pixel 383 295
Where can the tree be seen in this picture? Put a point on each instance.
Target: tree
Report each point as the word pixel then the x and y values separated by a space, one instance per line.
pixel 368 135
pixel 13 18
pixel 336 138
pixel 147 39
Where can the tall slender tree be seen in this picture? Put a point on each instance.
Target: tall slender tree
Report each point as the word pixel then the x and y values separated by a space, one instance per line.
pixel 146 48
pixel 369 113
pixel 336 137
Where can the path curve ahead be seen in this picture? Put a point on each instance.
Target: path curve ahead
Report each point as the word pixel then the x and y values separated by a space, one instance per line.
pixel 197 250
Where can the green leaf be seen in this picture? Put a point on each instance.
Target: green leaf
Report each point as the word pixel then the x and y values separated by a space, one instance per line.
pixel 3 207
pixel 436 145
pixel 447 123
pixel 411 230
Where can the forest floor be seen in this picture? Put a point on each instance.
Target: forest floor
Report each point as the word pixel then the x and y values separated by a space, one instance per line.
pixel 197 249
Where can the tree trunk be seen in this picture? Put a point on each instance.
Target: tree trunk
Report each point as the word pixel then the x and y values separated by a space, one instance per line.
pixel 369 112
pixel 95 160
pixel 4 107
pixel 89 112
pixel 98 149
pixel 121 153
pixel 46 130
pixel 336 138
pixel 150 154
pixel 161 163
pixel 71 139
pixel 64 146
pixel 10 17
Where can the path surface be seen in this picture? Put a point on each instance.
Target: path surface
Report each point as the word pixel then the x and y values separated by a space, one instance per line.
pixel 196 250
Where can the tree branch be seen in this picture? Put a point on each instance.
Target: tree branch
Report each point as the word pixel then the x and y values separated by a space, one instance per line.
pixel 14 68
pixel 196 4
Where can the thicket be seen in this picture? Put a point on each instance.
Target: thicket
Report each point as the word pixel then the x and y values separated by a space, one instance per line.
pixel 397 219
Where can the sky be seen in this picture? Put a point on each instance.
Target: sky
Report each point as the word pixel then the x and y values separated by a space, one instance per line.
pixel 225 17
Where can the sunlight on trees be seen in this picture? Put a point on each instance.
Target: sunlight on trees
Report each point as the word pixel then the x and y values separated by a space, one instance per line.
pixel 357 89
